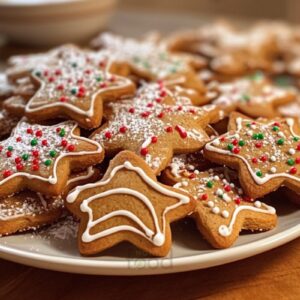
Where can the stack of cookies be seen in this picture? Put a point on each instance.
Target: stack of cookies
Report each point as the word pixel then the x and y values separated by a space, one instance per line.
pixel 130 135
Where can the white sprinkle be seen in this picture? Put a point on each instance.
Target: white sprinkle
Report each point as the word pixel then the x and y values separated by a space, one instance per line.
pixel 273 170
pixel 257 204
pixel 216 210
pixel 210 203
pixel 225 214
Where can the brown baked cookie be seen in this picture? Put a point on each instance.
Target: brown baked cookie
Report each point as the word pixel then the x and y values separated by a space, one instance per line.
pixel 222 210
pixel 7 123
pixel 265 153
pixel 151 61
pixel 74 87
pixel 40 157
pixel 6 89
pixel 128 204
pixel 154 131
pixel 291 109
pixel 254 96
pixel 28 210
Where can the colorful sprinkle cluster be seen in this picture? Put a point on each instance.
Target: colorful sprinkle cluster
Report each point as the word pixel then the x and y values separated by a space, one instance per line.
pixel 74 79
pixel 145 123
pixel 270 149
pixel 146 57
pixel 34 148
pixel 215 190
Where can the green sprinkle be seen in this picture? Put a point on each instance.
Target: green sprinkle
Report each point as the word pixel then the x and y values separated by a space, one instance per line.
pixel 259 173
pixel 295 139
pixel 74 65
pixel 290 162
pixel 25 156
pixel 38 74
pixel 280 142
pixel 47 162
pixel 241 143
pixel 209 184
pixel 10 148
pixel 62 132
pixel 230 147
pixel 248 124
pixel 34 142
pixel 52 153
pixel 257 76
pixel 260 136
pixel 275 128
pixel 73 91
pixel 255 136
pixel 99 78
pixel 246 97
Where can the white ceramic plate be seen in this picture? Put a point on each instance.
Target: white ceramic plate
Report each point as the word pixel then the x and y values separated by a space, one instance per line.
pixel 55 248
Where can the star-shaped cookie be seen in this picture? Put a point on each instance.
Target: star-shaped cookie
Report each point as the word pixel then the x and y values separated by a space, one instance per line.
pixel 151 61
pixel 75 88
pixel 254 96
pixel 128 204
pixel 265 153
pixel 40 157
pixel 222 210
pixel 28 210
pixel 154 130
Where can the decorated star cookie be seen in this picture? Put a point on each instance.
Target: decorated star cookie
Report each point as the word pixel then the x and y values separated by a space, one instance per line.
pixel 222 210
pixel 128 204
pixel 40 157
pixel 154 130
pixel 265 153
pixel 151 61
pixel 254 96
pixel 29 210
pixel 75 87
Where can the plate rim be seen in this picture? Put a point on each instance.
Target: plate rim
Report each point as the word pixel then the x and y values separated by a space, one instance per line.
pixel 148 266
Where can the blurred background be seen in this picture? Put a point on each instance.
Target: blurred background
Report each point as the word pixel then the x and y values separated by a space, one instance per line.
pixel 47 23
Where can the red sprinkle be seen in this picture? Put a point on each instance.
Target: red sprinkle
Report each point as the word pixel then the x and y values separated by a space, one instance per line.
pixel 144 151
pixel 153 139
pixel 204 197
pixel 64 143
pixel 181 131
pixel 18 160
pixel 35 153
pixel 38 133
pixel 29 131
pixel 60 87
pixel 18 139
pixel 150 105
pixel 258 144
pixel 35 167
pixel 71 148
pixel 158 100
pixel 227 188
pixel 19 167
pixel 63 99
pixel 297 160
pixel 169 129
pixel 108 134
pixel 237 201
pixel 254 160
pixel 163 93
pixel 6 173
pixel 160 115
pixel 58 129
pixel 8 153
pixel 145 114
pixel 45 142
pixel 236 150
pixel 235 142
pixel 123 129
pixel 293 170
pixel 131 110
pixel 35 161
pixel 264 158
pixel 192 175
pixel 298 147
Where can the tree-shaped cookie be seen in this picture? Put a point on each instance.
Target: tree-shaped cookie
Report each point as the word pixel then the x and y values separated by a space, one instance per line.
pixel 254 96
pixel 151 61
pixel 75 87
pixel 266 153
pixel 41 157
pixel 222 210
pixel 128 204
pixel 29 210
pixel 154 130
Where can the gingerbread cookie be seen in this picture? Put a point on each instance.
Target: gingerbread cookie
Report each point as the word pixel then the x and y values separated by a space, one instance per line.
pixel 6 89
pixel 222 210
pixel 30 210
pixel 151 61
pixel 154 131
pixel 265 153
pixel 128 204
pixel 40 158
pixel 254 96
pixel 75 87
pixel 7 123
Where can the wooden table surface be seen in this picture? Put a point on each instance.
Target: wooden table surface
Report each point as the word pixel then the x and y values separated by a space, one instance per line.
pixel 272 275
